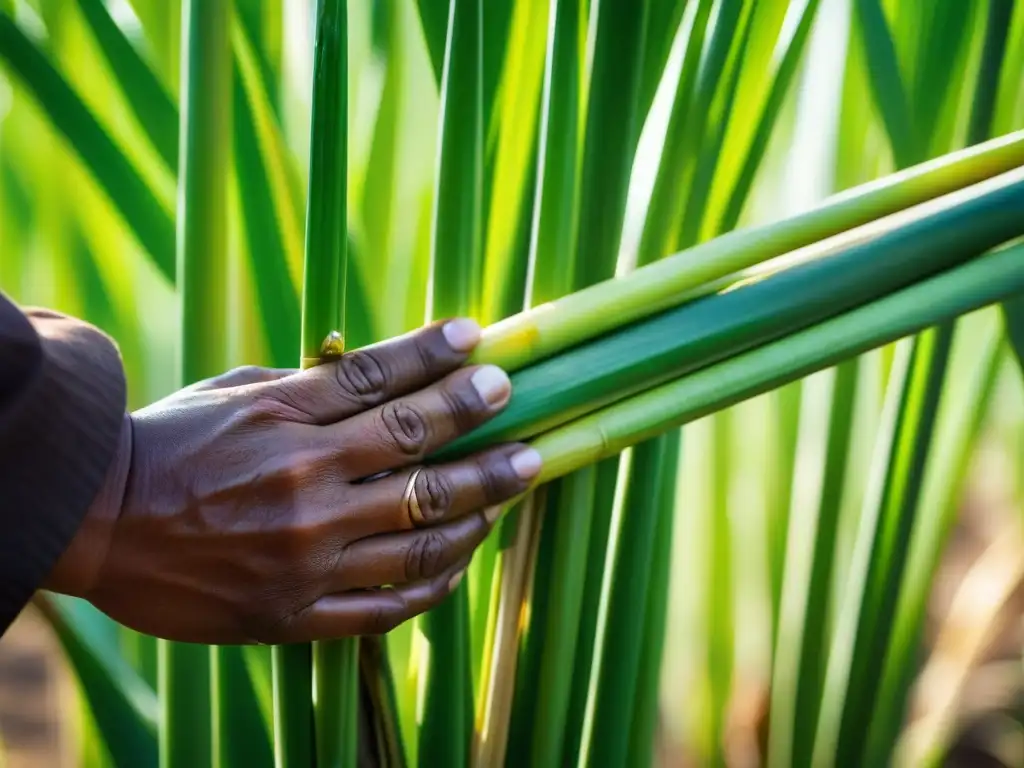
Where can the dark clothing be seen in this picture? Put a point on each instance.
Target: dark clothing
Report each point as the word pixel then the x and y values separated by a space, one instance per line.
pixel 62 401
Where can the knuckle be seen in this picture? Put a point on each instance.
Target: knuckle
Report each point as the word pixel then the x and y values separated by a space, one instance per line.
pixel 276 624
pixel 363 375
pixel 283 403
pixel 385 615
pixel 428 354
pixel 463 406
pixel 248 373
pixel 434 495
pixel 406 427
pixel 493 480
pixel 425 558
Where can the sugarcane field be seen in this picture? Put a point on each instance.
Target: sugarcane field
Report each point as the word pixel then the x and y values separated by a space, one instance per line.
pixel 500 383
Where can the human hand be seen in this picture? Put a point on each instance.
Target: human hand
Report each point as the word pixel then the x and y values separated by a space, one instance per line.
pixel 251 508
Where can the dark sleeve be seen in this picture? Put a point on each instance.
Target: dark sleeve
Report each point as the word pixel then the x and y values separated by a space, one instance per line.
pixel 62 401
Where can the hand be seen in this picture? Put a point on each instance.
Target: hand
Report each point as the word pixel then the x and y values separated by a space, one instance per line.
pixel 252 508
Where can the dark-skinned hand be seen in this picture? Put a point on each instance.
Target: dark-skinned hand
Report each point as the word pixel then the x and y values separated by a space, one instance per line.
pixel 270 506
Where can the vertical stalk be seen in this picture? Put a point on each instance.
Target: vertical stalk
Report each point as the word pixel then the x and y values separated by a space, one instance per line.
pixel 526 565
pixel 802 629
pixel 618 666
pixel 241 737
pixel 327 737
pixel 205 136
pixel 720 595
pixel 335 663
pixel 446 731
pixel 864 626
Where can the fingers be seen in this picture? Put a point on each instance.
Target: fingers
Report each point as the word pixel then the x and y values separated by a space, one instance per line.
pixel 401 558
pixel 403 431
pixel 431 495
pixel 369 612
pixel 373 375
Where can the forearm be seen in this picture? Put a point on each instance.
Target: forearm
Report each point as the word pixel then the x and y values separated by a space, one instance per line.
pixel 62 408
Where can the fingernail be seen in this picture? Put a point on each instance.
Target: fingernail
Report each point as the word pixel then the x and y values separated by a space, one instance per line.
pixel 454 581
pixel 526 463
pixel 492 384
pixel 461 334
pixel 491 514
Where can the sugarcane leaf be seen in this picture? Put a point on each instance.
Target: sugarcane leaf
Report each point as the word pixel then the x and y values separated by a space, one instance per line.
pixel 1010 97
pixel 144 215
pixel 510 188
pixel 887 524
pixel 986 90
pixel 859 155
pixel 665 16
pixel 585 658
pixel 685 126
pixel 553 251
pixel 161 23
pixel 708 155
pixel 253 16
pixel 143 91
pixel 126 709
pixel 943 31
pixel 887 82
pixel 786 58
pixel 434 21
pixel 456 245
pixel 382 227
pixel 283 178
pixel 647 704
pixel 276 292
pixel 622 627
pixel 498 54
pixel 243 737
pixel 257 661
pixel 772 24
pixel 802 634
pixel 1013 315
pixel 528 737
pixel 974 363
pixel 612 122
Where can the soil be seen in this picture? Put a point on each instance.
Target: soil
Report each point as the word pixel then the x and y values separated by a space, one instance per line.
pixel 34 688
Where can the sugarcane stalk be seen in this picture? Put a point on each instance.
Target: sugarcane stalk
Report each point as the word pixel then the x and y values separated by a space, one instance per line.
pixel 446 730
pixel 328 736
pixel 557 325
pixel 184 669
pixel 974 285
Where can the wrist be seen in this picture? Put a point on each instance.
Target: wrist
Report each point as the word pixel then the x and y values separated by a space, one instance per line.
pixel 78 570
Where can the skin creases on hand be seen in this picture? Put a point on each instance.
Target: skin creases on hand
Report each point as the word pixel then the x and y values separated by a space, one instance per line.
pixel 269 505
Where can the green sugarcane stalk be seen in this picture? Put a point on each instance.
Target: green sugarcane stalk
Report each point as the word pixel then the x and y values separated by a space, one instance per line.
pixel 976 284
pixel 328 737
pixel 518 732
pixel 550 328
pixel 184 669
pixel 826 280
pixel 446 731
pixel 886 523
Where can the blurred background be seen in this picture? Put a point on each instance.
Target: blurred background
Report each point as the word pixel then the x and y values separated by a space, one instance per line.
pixel 63 245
